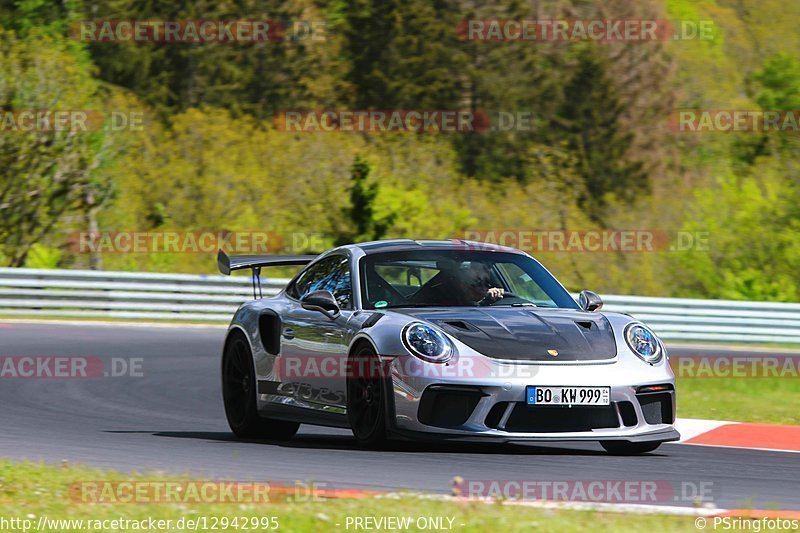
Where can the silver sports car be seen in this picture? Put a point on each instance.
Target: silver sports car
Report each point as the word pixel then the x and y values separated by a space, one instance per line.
pixel 444 340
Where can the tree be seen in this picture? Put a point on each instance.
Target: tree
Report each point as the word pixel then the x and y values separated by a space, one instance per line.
pixel 590 118
pixel 361 211
pixel 45 174
pixel 257 78
pixel 403 53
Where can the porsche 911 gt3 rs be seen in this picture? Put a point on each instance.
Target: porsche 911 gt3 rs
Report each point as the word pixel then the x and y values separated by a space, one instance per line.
pixel 443 340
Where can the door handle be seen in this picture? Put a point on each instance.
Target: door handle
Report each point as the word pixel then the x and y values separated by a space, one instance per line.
pixel 288 333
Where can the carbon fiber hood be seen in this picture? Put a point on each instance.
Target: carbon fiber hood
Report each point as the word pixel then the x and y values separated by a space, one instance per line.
pixel 530 334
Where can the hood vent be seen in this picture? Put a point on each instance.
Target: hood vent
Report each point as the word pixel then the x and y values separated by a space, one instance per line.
pixel 523 334
pixel 458 324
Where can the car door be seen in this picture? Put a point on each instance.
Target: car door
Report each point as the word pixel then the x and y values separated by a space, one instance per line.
pixel 313 350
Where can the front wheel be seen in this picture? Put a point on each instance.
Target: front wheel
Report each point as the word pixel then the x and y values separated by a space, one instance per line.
pixel 239 395
pixel 366 398
pixel 621 447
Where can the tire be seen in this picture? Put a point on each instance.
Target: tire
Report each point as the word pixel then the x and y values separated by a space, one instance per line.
pixel 239 395
pixel 621 447
pixel 366 398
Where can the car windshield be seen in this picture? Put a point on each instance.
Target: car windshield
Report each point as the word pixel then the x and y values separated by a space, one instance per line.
pixel 428 278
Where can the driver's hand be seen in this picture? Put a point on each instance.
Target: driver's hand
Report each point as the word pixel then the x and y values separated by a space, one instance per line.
pixel 494 294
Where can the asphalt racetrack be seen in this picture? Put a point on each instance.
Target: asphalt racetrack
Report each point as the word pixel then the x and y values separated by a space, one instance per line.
pixel 170 418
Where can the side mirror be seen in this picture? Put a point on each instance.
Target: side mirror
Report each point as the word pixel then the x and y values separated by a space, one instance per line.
pixel 322 301
pixel 590 301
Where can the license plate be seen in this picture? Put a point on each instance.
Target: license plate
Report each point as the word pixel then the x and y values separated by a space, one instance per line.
pixel 568 395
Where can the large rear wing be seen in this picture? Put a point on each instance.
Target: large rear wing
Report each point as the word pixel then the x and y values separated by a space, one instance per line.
pixel 229 263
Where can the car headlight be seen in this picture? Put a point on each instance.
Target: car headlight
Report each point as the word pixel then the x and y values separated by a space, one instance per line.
pixel 428 343
pixel 643 342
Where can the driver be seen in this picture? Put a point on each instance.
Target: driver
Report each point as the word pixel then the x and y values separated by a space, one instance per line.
pixel 468 284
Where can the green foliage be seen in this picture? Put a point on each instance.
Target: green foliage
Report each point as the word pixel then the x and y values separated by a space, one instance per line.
pixel 745 261
pixel 778 83
pixel 751 210
pixel 591 117
pixel 45 175
pixel 361 211
pixel 404 54
pixel 256 78
pixel 40 256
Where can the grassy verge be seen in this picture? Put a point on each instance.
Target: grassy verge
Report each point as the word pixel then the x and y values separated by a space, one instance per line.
pixel 765 400
pixel 28 491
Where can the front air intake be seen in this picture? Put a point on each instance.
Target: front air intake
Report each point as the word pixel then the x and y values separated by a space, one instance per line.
pixel 657 408
pixel 448 406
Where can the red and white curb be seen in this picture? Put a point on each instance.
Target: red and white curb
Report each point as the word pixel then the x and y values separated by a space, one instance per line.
pixel 637 508
pixel 769 437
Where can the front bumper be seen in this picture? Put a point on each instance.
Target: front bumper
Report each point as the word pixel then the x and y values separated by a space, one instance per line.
pixel 489 403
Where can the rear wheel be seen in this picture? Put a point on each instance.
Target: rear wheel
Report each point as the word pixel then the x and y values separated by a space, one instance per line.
pixel 239 395
pixel 366 398
pixel 617 447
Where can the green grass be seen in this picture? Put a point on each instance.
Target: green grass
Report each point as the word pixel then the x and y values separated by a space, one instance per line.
pixel 32 490
pixel 766 400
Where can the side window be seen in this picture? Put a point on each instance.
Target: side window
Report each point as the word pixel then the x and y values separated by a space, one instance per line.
pixel 295 289
pixel 331 274
pixel 342 287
